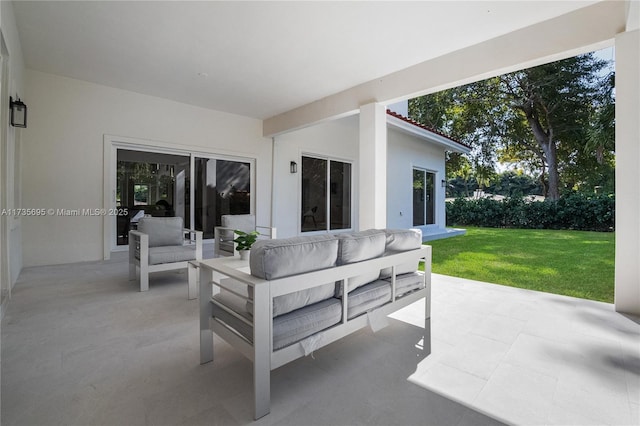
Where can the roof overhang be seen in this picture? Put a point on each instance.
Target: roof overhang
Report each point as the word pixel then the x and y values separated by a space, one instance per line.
pixel 426 135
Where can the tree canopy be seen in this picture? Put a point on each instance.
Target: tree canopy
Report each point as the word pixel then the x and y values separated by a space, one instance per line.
pixel 554 121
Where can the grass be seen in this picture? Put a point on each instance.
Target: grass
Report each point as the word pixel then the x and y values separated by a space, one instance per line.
pixel 572 263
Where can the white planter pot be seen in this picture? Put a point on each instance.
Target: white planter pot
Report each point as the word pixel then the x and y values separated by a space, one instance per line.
pixel 244 254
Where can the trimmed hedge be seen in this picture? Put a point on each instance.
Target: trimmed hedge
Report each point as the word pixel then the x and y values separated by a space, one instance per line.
pixel 575 211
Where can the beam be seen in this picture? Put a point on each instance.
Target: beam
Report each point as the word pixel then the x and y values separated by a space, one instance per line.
pixel 585 29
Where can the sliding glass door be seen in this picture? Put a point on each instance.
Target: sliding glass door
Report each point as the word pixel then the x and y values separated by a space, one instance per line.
pixel 423 197
pixel 326 194
pixel 200 189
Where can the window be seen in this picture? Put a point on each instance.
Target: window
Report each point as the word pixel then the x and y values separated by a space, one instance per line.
pixel 423 197
pixel 326 194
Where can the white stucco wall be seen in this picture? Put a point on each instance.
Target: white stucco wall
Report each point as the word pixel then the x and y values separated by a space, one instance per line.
pixel 11 233
pixel 62 155
pixel 336 139
pixel 339 139
pixel 404 153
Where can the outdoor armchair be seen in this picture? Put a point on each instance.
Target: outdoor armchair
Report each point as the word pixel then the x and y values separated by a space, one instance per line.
pixel 159 244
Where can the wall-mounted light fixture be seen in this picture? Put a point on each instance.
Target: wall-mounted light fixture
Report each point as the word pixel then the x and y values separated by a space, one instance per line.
pixel 444 183
pixel 18 112
pixel 293 167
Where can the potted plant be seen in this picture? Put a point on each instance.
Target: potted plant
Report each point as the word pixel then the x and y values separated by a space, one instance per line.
pixel 244 241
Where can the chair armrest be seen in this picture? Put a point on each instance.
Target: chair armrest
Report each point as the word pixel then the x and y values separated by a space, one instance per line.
pixel 267 231
pixel 195 237
pixel 138 245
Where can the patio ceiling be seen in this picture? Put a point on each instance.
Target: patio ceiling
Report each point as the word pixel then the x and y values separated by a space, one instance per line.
pixel 258 59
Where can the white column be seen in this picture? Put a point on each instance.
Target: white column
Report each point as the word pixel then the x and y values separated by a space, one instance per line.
pixel 627 275
pixel 372 165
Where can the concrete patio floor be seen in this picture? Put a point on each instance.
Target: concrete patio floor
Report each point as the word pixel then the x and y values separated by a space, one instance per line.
pixel 80 346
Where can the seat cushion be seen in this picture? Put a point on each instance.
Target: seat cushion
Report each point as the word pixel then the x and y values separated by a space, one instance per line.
pixel 358 247
pixel 406 283
pixel 401 240
pixel 287 329
pixel 162 231
pixel 171 254
pixel 302 323
pixel 367 297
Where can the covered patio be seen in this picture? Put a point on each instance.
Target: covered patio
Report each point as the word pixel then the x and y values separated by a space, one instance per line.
pixel 81 346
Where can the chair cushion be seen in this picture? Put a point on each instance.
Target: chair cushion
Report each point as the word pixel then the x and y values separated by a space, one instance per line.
pixel 358 247
pixel 241 222
pixel 400 240
pixel 171 254
pixel 162 231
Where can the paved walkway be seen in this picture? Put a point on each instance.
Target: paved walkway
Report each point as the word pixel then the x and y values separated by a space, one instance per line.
pixel 526 357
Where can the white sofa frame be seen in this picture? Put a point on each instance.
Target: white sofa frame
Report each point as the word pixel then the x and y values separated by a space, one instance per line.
pixel 213 273
pixel 139 260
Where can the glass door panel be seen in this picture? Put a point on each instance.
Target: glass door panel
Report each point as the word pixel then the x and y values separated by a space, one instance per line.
pixel 340 195
pixel 314 194
pixel 150 183
pixel 221 187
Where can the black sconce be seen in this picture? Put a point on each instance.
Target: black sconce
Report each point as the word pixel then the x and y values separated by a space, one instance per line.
pixel 18 112
pixel 293 167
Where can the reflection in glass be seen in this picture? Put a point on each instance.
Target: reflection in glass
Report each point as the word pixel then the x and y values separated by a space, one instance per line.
pixel 221 187
pixel 149 183
pixel 340 195
pixel 423 198
pixel 318 186
pixel 314 193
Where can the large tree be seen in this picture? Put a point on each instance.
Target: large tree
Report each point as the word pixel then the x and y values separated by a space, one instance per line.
pixel 543 118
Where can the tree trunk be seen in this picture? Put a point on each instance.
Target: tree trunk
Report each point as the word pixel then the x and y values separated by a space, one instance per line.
pixel 550 153
pixel 548 146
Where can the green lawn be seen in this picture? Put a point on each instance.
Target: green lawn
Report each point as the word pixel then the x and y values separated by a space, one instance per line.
pixel 573 263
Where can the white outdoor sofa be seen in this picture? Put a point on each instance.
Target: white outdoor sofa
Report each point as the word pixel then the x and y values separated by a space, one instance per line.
pixel 299 294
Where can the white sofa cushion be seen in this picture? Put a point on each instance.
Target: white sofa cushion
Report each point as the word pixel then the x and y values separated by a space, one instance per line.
pixel 272 259
pixel 358 247
pixel 400 240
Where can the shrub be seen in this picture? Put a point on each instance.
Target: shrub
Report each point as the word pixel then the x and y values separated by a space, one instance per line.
pixel 574 211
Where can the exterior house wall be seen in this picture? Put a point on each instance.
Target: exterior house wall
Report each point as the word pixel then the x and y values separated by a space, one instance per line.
pixel 62 155
pixel 404 153
pixel 336 139
pixel 339 139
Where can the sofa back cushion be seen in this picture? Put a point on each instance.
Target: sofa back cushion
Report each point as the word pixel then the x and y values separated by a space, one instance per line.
pixel 279 258
pixel 358 247
pixel 162 231
pixel 400 240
